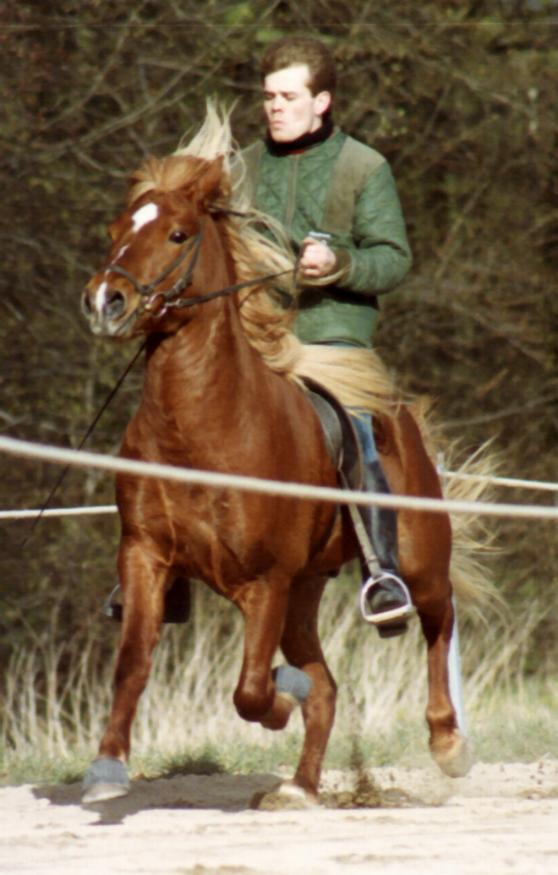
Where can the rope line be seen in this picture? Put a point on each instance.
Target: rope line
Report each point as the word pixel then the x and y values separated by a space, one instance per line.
pixel 91 510
pixel 501 481
pixel 82 459
pixel 33 513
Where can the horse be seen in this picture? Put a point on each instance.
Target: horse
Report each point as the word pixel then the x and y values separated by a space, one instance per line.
pixel 193 272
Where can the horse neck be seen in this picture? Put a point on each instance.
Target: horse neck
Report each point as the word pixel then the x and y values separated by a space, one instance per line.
pixel 208 360
pixel 197 386
pixel 200 350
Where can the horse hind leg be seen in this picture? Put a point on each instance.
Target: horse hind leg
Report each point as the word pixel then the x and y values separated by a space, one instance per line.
pixel 448 746
pixel 425 542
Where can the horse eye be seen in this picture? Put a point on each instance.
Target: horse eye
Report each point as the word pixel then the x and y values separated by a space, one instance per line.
pixel 177 237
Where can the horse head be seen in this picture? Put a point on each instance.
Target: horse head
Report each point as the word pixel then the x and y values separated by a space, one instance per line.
pixel 156 258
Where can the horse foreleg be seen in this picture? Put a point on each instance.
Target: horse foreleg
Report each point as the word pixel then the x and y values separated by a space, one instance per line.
pixel 449 748
pixel 143 600
pixel 263 604
pixel 301 646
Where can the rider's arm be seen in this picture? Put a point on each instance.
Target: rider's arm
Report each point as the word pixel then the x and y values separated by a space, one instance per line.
pixel 378 257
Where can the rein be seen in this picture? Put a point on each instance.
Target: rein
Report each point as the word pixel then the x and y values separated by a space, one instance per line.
pixel 83 441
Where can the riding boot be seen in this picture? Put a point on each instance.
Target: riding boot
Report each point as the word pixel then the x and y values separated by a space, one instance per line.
pixel 177 603
pixel 385 600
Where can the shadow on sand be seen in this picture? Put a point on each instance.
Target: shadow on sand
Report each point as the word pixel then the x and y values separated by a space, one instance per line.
pixel 221 791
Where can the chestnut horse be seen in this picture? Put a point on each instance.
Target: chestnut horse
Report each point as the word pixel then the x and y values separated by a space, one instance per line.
pixel 223 392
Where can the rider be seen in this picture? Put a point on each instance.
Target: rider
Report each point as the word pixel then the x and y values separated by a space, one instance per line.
pixel 337 201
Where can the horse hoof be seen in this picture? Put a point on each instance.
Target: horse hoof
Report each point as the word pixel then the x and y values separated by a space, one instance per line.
pixel 455 759
pixel 106 779
pixel 286 797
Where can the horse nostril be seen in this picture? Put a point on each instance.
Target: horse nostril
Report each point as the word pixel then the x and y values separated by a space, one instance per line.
pixel 114 304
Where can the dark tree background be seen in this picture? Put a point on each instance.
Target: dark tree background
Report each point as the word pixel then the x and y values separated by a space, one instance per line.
pixel 461 98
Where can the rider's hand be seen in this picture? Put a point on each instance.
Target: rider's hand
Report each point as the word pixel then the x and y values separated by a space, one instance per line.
pixel 317 258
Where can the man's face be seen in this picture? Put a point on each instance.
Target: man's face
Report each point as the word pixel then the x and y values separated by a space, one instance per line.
pixel 290 107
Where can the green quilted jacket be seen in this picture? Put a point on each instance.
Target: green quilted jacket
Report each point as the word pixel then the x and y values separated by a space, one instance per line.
pixel 345 188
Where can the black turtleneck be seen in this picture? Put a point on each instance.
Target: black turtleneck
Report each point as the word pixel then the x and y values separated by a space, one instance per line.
pixel 303 142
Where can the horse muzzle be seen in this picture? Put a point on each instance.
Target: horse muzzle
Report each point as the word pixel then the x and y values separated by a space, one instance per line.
pixel 105 308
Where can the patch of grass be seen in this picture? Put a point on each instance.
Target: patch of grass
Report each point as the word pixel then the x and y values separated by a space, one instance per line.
pixel 54 710
pixel 38 768
pixel 518 723
pixel 514 726
pixel 238 756
pixel 200 762
pixel 401 742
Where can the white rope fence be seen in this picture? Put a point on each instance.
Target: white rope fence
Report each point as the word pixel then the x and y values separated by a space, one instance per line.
pixel 82 459
pixel 501 481
pixel 31 513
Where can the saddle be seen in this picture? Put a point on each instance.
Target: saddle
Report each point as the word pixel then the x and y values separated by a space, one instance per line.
pixel 340 435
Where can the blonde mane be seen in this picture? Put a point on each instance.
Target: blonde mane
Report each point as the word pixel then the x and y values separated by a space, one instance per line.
pixel 258 248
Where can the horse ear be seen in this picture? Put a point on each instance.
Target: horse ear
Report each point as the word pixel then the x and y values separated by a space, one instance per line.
pixel 212 183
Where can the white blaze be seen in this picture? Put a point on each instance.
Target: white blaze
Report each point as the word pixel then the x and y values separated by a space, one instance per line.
pixel 121 251
pixel 145 214
pixel 100 297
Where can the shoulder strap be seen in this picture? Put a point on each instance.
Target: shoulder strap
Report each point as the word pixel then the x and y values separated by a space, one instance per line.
pixel 250 161
pixel 353 166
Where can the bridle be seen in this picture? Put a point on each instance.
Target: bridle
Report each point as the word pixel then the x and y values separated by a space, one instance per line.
pixel 170 298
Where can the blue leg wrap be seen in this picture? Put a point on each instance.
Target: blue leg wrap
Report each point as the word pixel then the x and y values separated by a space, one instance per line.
pixel 106 778
pixel 293 682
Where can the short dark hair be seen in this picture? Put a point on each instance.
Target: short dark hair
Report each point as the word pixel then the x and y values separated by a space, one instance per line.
pixel 292 50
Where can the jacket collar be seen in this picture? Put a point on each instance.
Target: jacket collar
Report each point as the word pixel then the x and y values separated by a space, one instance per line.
pixel 306 141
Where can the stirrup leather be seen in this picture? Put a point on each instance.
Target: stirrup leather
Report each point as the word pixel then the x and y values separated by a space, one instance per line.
pixel 401 612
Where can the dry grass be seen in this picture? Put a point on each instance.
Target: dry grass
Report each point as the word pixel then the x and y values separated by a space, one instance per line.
pixel 57 696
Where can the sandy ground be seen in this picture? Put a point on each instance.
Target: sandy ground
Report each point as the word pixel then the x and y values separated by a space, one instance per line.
pixel 500 819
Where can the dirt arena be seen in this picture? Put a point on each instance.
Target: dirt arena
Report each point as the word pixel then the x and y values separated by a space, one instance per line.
pixel 500 819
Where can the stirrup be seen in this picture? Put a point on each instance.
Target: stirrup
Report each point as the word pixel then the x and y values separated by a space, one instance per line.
pixel 401 612
pixel 112 609
pixel 177 603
